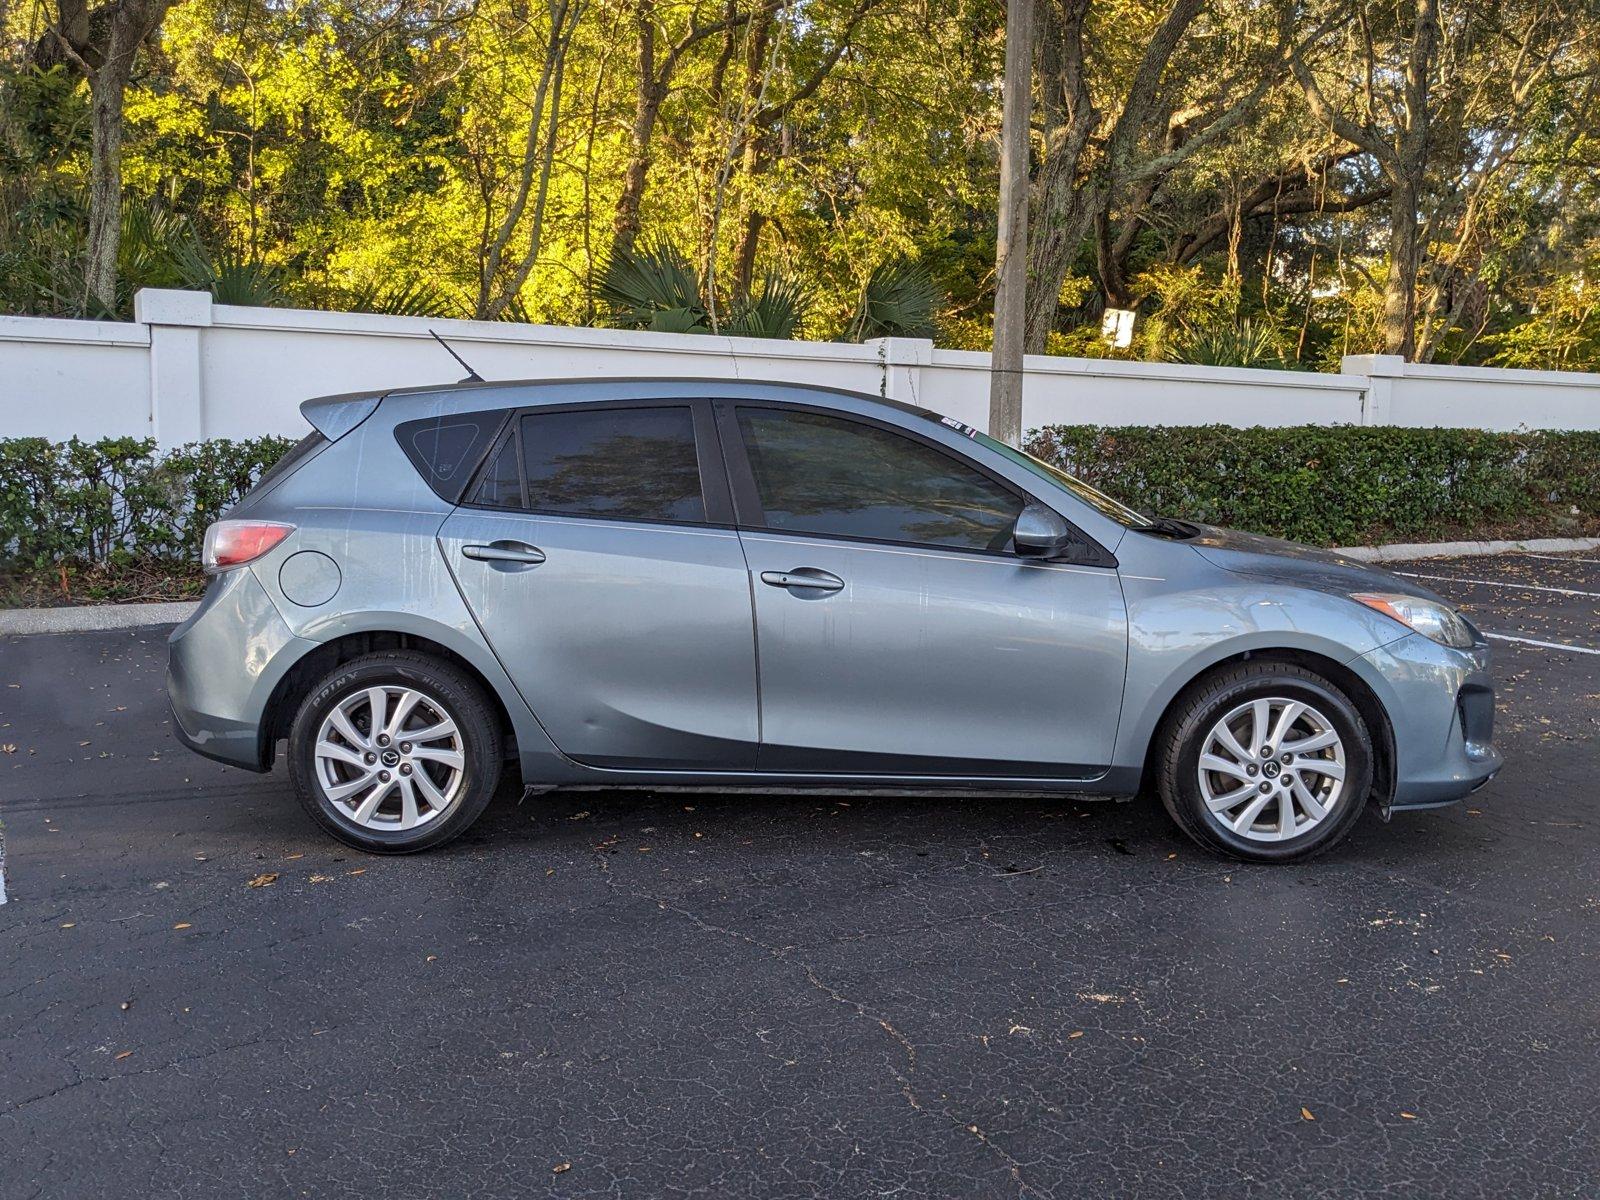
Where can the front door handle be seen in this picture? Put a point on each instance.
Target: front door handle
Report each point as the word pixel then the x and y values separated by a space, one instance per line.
pixel 809 578
pixel 505 552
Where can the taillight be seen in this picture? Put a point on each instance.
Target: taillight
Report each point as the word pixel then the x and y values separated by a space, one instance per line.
pixel 234 543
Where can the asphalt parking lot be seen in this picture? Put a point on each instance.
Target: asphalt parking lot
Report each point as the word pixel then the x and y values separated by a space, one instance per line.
pixel 668 995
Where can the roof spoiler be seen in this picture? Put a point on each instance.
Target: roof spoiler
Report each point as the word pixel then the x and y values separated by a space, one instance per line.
pixel 335 416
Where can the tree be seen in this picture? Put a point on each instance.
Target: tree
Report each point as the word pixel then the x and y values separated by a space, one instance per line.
pixel 660 56
pixel 1412 90
pixel 1098 116
pixel 103 43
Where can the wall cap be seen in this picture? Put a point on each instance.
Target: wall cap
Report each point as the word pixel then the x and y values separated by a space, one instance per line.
pixel 169 306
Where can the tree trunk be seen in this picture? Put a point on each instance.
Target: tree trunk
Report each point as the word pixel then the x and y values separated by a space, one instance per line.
pixel 652 92
pixel 1400 292
pixel 744 255
pixel 625 228
pixel 106 91
pixel 1060 216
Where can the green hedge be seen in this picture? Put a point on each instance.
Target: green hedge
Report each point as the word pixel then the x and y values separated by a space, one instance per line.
pixel 1342 484
pixel 117 501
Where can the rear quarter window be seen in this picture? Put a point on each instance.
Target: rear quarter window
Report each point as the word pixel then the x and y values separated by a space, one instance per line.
pixel 447 450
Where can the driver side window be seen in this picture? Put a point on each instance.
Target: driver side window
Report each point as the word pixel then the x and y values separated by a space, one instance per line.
pixel 821 474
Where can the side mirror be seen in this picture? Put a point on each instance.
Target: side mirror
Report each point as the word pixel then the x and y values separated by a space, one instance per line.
pixel 1041 533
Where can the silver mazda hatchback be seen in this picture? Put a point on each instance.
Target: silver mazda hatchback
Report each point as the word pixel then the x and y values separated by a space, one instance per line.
pixel 730 585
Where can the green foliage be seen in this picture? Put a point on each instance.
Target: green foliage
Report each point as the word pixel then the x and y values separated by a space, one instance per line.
pixel 409 296
pixel 363 155
pixel 116 501
pixel 775 311
pixel 1246 343
pixel 1339 485
pixel 900 299
pixel 653 286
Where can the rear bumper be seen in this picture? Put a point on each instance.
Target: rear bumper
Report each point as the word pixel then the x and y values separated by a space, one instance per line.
pixel 222 666
pixel 1440 702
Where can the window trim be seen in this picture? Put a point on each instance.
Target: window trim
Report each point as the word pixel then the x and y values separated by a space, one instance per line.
pixel 751 515
pixel 714 491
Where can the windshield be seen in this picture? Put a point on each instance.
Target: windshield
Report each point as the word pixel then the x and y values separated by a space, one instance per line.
pixel 1102 503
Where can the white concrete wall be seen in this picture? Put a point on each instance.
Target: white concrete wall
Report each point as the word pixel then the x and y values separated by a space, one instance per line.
pixel 187 369
pixel 59 378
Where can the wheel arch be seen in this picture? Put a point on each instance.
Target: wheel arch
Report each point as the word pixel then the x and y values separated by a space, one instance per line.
pixel 1341 675
pixel 289 691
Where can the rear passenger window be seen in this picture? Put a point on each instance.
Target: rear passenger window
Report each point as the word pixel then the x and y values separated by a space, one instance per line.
pixel 634 464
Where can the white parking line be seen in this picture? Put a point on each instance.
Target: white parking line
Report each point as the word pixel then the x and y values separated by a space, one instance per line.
pixel 1506 637
pixel 1499 583
pixel 1563 558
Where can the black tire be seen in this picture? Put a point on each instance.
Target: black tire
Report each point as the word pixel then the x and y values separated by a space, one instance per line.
pixel 449 690
pixel 1182 739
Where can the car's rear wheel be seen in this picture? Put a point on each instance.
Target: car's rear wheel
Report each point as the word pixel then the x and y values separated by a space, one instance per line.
pixel 395 752
pixel 1267 762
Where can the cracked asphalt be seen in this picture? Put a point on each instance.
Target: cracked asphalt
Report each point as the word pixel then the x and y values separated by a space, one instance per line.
pixel 689 995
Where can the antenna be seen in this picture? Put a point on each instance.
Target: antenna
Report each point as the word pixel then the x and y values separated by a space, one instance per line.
pixel 472 376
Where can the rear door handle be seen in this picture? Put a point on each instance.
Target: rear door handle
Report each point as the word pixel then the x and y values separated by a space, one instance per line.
pixel 505 552
pixel 810 578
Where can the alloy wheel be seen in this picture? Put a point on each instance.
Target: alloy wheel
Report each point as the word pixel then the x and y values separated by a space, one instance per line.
pixel 1272 769
pixel 390 758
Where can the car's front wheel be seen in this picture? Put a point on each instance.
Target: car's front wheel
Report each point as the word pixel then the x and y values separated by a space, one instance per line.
pixel 395 752
pixel 1268 762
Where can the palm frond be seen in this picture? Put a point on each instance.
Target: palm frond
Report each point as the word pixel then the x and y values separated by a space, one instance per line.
pixel 900 299
pixel 775 311
pixel 408 296
pixel 1247 343
pixel 230 277
pixel 653 287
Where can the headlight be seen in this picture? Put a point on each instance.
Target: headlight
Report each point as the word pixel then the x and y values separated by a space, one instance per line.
pixel 1428 617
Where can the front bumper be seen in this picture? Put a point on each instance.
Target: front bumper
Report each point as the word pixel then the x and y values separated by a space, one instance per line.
pixel 222 666
pixel 1440 703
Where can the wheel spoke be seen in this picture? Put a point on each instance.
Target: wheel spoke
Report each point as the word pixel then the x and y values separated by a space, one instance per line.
pixel 1285 722
pixel 1226 801
pixel 409 699
pixel 1317 741
pixel 408 804
pixel 1224 735
pixel 1313 806
pixel 343 791
pixel 377 706
pixel 432 733
pixel 430 790
pixel 1286 827
pixel 340 720
pixel 1260 718
pixel 450 758
pixel 1211 762
pixel 1322 766
pixel 344 754
pixel 1247 818
pixel 369 804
